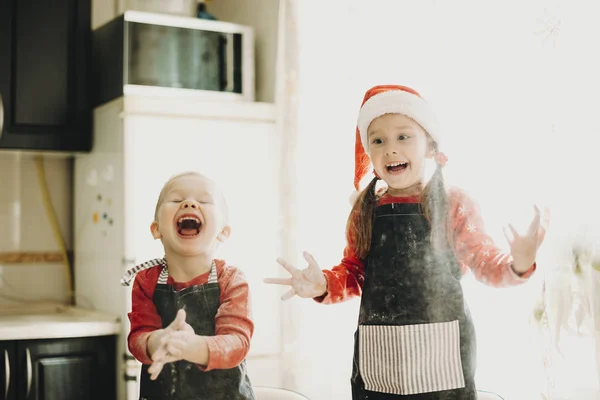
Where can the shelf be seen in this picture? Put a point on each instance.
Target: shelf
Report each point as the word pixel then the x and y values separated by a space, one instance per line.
pixel 156 102
pixel 31 257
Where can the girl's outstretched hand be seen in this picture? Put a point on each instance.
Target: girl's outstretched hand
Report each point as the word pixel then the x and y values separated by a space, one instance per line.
pixel 308 283
pixel 524 247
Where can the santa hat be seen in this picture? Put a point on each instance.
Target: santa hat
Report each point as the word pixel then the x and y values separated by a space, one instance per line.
pixel 389 99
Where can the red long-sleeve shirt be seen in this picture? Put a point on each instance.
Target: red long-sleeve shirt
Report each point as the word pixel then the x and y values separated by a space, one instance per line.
pixel 475 250
pixel 233 322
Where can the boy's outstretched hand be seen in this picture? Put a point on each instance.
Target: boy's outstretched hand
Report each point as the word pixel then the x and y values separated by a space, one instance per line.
pixel 308 283
pixel 524 247
pixel 173 344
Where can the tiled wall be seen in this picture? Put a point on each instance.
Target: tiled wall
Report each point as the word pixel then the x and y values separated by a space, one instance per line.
pixel 25 226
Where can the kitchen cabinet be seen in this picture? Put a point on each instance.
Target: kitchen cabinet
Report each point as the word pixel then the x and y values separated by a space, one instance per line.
pixel 44 75
pixel 59 369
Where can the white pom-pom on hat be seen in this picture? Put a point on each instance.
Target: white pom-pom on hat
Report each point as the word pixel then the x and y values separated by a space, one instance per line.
pixel 354 197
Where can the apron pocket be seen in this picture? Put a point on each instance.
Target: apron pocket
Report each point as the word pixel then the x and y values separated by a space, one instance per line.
pixel 410 359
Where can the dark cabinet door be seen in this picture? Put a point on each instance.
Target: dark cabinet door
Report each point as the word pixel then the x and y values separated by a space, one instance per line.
pixel 68 369
pixel 44 84
pixel 8 370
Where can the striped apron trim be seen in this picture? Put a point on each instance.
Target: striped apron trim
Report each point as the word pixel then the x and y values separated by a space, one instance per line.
pixel 164 274
pixel 212 278
pixel 410 359
pixel 131 273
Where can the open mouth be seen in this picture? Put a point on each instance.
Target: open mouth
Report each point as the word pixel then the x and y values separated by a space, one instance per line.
pixel 397 166
pixel 189 226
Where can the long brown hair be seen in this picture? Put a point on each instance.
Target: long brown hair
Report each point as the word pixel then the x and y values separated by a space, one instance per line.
pixel 435 206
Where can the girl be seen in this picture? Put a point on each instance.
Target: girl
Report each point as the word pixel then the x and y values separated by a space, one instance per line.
pixel 408 246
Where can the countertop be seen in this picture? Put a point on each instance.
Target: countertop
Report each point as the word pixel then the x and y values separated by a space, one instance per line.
pixel 50 321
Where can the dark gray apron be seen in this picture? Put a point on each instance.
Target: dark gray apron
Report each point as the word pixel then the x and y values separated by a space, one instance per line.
pixel 183 380
pixel 415 338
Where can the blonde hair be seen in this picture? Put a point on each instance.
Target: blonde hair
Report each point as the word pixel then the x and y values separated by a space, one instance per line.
pixel 163 191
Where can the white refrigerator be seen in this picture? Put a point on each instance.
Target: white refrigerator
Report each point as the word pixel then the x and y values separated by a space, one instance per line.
pixel 140 141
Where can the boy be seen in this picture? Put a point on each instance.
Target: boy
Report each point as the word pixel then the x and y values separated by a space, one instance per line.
pixel 190 320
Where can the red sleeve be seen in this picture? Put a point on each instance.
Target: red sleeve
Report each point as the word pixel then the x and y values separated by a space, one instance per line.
pixel 345 280
pixel 233 322
pixel 476 250
pixel 143 317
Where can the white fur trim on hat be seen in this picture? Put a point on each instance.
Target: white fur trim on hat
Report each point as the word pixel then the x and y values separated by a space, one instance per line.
pixel 397 102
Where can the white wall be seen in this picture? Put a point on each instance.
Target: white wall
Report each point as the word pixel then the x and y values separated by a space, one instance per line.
pixel 262 15
pixel 517 102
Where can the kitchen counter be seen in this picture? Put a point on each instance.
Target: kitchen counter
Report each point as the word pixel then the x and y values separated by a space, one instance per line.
pixel 49 321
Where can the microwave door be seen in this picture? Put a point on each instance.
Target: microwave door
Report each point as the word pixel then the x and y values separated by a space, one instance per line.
pixel 229 65
pixel 226 55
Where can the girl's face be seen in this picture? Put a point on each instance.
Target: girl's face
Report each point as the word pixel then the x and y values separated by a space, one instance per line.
pixel 398 147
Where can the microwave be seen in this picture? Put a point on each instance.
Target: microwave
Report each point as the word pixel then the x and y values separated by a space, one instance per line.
pixel 141 53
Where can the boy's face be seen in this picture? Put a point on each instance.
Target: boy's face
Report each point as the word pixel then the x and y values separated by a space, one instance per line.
pixel 398 147
pixel 191 218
